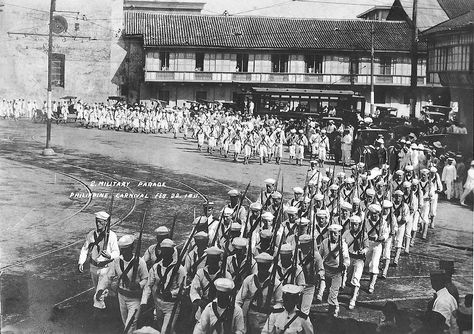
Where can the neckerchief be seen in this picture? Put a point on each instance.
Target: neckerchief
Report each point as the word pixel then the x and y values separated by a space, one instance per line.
pixel 196 261
pixel 210 286
pixel 285 276
pixel 355 241
pixel 225 317
pixel 164 278
pixel 258 295
pixel 125 271
pixel 374 227
pixel 321 233
pixel 98 237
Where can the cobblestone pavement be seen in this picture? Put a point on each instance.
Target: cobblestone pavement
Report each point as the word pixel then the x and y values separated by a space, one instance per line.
pixel 45 213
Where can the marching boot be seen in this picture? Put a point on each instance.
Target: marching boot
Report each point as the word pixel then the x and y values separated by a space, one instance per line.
pixel 397 256
pixel 425 231
pixel 353 300
pixel 385 269
pixel 407 245
pixel 373 279
pixel 322 287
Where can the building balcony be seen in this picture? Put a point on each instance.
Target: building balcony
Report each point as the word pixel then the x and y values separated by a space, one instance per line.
pixel 282 78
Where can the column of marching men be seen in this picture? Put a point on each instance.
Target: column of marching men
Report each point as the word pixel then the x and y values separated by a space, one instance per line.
pixel 258 269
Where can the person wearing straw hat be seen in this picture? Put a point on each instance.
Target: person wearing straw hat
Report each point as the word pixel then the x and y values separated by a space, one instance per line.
pixel 130 284
pixel 221 316
pixel 164 279
pixel 335 255
pixel 101 254
pixel 288 319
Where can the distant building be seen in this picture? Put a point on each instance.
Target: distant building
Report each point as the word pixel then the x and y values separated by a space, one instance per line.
pixel 85 56
pixel 451 61
pixel 170 7
pixel 232 58
pixel 378 13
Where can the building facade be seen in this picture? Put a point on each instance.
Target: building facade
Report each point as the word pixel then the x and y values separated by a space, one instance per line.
pixel 224 58
pixel 451 61
pixel 86 53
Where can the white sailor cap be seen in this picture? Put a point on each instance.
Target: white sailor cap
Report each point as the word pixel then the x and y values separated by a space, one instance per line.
pixel 146 330
pixel 355 219
pixel 102 215
pixel 293 130
pixel 162 230
pixel 214 250
pixel 361 165
pixel 380 141
pixel 325 179
pixel 201 235
pixel 346 205
pixel 300 131
pixel 267 215
pixel 276 195
pixel 341 174
pixel 375 208
pixel 266 234
pixel 228 212
pixel 298 190
pixel 291 210
pixel 167 243
pixel 291 289
pixel 433 169
pixel 415 182
pixel 318 197
pixel 356 200
pixel 234 227
pixel 424 171
pixel 313 162
pixel 126 241
pixel 370 192
pixel 406 184
pixel 264 258
pixel 323 131
pixel 385 166
pixel 349 180
pixel 269 181
pixel 233 193
pixel 286 249
pixel 304 238
pixel 398 192
pixel 255 206
pixel 409 168
pixel 335 228
pixel 399 172
pixel 208 204
pixel 333 187
pixel 224 284
pixel 386 204
pixel 239 243
pixel 303 221
pixel 321 213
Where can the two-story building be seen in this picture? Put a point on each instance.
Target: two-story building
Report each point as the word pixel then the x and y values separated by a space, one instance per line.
pixel 179 58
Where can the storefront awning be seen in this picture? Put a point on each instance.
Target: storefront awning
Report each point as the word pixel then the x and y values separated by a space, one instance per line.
pixel 302 91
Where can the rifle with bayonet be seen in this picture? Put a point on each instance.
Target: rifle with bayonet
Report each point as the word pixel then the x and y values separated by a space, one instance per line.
pixel 172 226
pixel 271 286
pixel 102 260
pixel 138 250
pixel 242 198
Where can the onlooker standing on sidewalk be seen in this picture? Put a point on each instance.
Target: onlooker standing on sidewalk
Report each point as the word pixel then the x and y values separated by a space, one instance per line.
pixel 469 185
pixel 346 147
pixel 448 177
pixel 461 175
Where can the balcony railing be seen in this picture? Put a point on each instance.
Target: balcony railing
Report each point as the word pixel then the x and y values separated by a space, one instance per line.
pixel 287 78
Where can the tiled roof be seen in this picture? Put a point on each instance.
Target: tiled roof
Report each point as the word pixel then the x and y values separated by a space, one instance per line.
pixel 454 8
pixel 429 12
pixel 265 32
pixel 457 23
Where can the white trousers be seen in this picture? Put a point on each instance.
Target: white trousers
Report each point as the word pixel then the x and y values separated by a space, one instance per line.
pixel 373 256
pixel 127 308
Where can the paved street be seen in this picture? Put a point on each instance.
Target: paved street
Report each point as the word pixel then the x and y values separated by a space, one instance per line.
pixel 46 211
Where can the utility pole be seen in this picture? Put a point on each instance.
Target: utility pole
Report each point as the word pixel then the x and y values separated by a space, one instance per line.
pixel 372 56
pixel 414 61
pixel 47 150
